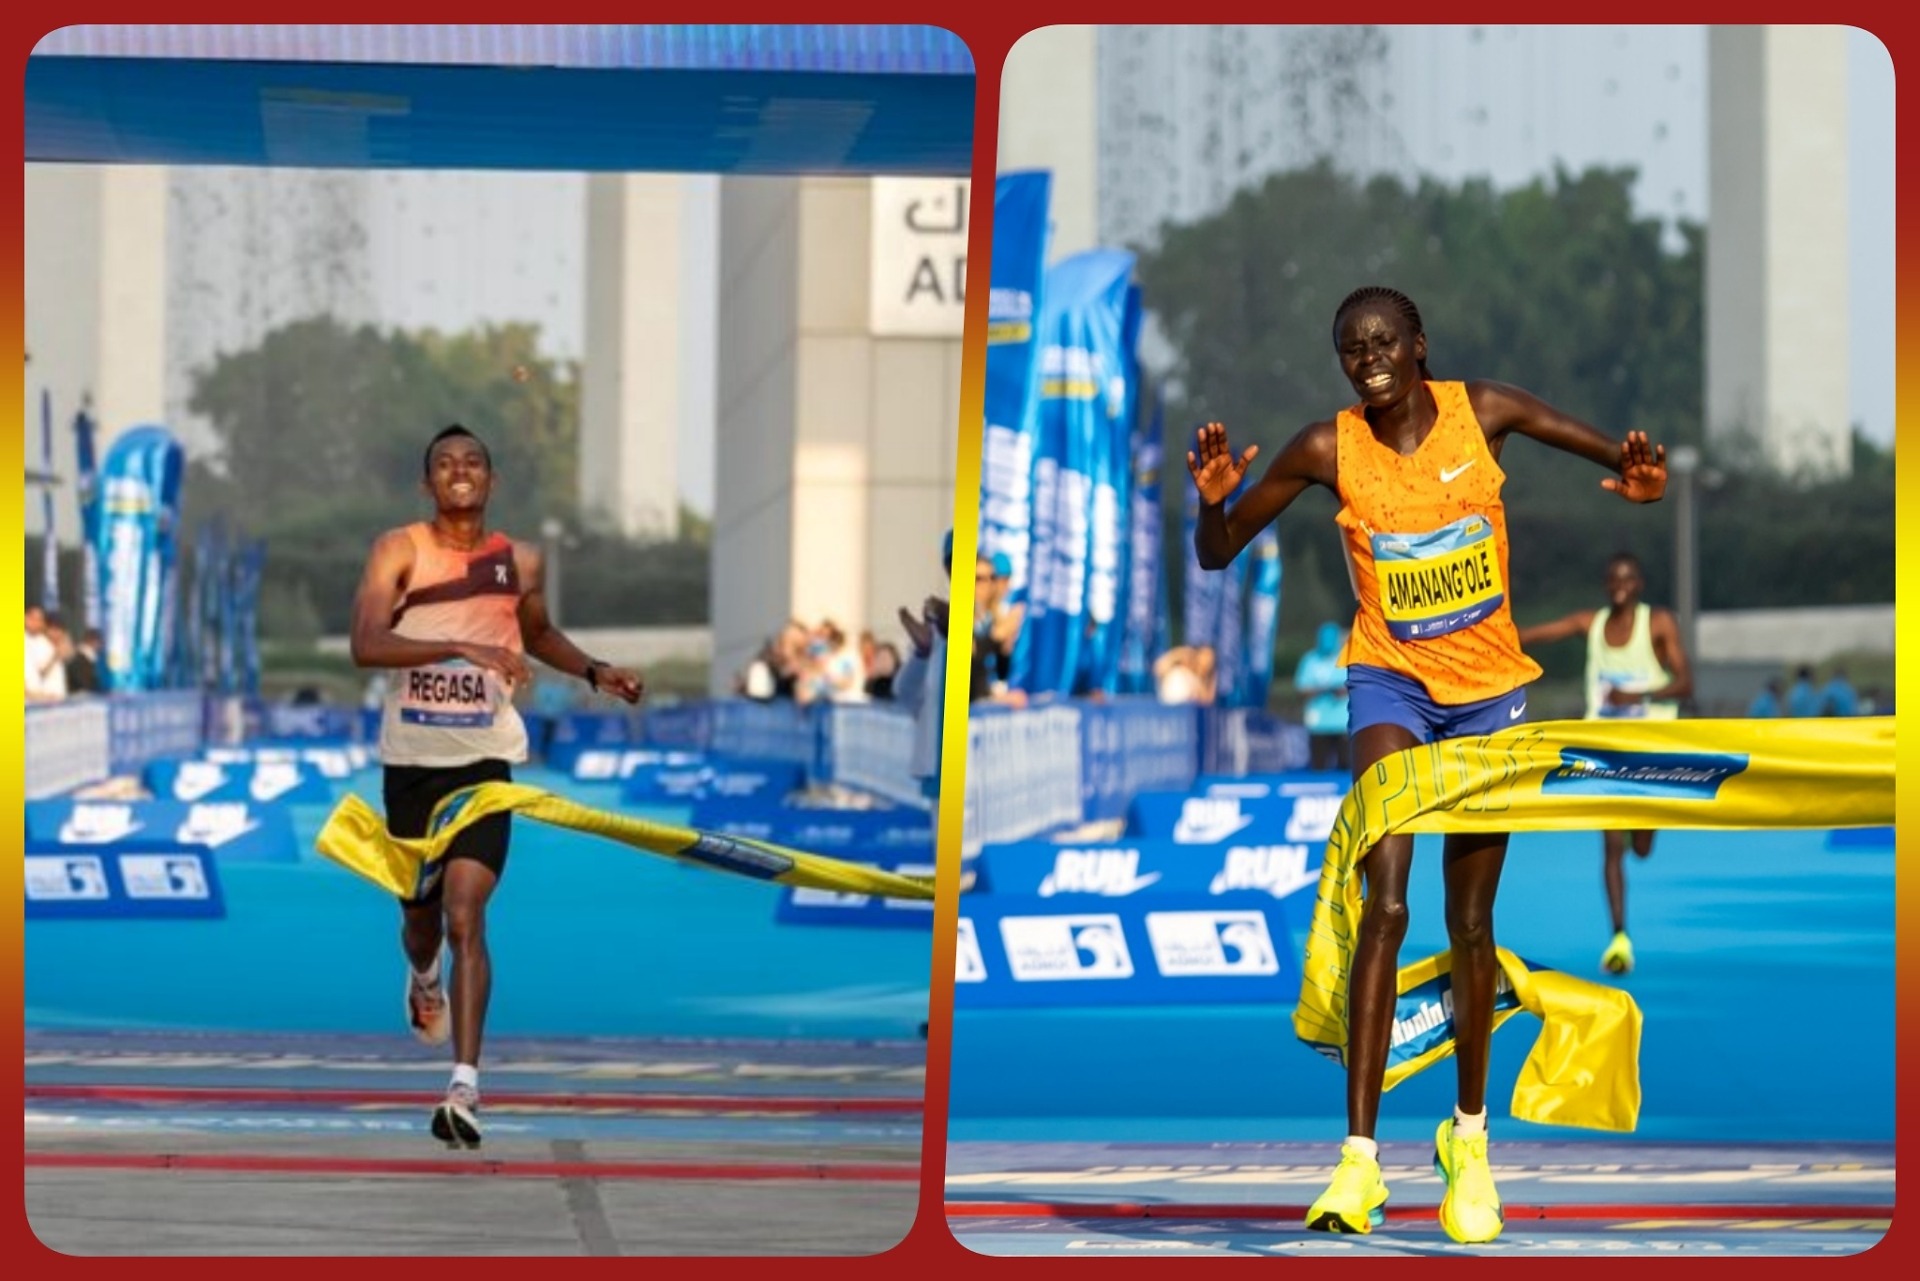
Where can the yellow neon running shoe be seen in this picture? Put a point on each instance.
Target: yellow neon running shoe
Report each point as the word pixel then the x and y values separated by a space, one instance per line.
pixel 1352 1201
pixel 1470 1211
pixel 1618 958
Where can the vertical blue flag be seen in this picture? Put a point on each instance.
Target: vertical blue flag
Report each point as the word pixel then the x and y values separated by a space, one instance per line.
pixel 50 550
pixel 251 561
pixel 1146 585
pixel 139 497
pixel 1263 616
pixel 1081 322
pixel 86 481
pixel 1112 517
pixel 1013 312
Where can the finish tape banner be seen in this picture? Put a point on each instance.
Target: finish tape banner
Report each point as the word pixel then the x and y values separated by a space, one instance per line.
pixel 1574 776
pixel 355 836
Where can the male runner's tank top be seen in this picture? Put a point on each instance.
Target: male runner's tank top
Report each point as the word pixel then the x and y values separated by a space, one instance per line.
pixel 1633 668
pixel 1426 542
pixel 453 713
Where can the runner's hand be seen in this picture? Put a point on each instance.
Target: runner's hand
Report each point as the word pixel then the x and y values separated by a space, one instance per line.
pixel 1211 462
pixel 505 663
pixel 1643 470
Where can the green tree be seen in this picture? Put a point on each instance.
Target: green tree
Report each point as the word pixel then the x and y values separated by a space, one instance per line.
pixel 321 431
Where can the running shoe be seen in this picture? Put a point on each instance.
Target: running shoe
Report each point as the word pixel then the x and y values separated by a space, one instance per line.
pixel 1618 958
pixel 1470 1211
pixel 456 1122
pixel 427 1011
pixel 1353 1201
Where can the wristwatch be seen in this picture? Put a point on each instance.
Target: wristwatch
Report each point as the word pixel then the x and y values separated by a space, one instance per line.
pixel 592 674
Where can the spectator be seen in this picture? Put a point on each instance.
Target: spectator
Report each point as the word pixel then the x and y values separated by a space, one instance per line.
pixel 1838 698
pixel 1802 699
pixel 46 674
pixel 839 676
pixel 921 684
pixel 1185 674
pixel 83 667
pixel 1322 681
pixel 1769 702
pixel 882 669
pixel 1004 616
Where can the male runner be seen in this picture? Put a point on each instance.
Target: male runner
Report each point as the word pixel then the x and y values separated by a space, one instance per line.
pixel 1637 668
pixel 456 607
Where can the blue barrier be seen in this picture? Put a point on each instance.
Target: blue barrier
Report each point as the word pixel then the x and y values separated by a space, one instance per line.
pixel 1023 773
pixel 233 830
pixel 128 882
pixel 745 779
pixel 764 731
pixel 1015 950
pixel 1247 740
pixel 1292 783
pixel 828 831
pixel 574 732
pixel 1133 744
pixel 688 726
pixel 68 745
pixel 329 760
pixel 309 721
pixel 262 780
pixel 1148 869
pixel 606 765
pixel 145 727
pixel 870 747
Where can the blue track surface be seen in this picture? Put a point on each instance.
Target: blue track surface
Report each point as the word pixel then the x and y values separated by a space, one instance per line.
pixel 589 939
pixel 1765 970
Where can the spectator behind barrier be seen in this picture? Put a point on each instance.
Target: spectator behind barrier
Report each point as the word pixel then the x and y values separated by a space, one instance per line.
pixel 1185 674
pixel 1322 681
pixel 1769 702
pixel 1838 698
pixel 83 665
pixel 46 680
pixel 1803 699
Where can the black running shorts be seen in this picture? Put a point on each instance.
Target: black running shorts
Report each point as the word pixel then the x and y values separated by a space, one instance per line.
pixel 411 792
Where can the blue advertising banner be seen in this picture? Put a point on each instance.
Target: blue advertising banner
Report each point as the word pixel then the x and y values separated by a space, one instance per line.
pixel 1263 617
pixel 1111 518
pixel 1133 744
pixel 234 830
pixel 1082 380
pixel 1187 819
pixel 86 479
pixel 139 488
pixel 734 779
pixel 893 832
pixel 1146 613
pixel 50 543
pixel 1172 949
pixel 1132 867
pixel 287 782
pixel 1294 783
pixel 801 905
pixel 1013 314
pixel 129 882
pixel 603 765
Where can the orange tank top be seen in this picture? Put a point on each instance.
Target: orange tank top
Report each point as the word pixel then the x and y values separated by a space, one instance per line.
pixel 453 713
pixel 1426 541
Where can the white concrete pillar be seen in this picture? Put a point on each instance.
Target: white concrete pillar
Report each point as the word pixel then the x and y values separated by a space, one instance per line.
pixel 1049 105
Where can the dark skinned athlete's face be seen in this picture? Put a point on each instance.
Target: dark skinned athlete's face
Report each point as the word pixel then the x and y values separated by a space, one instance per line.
pixel 458 476
pixel 1379 354
pixel 1624 584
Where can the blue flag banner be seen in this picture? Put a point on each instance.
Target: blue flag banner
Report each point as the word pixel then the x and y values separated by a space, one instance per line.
pixel 87 488
pixel 1263 616
pixel 1146 615
pixel 1107 583
pixel 252 561
pixel 1082 373
pixel 50 545
pixel 1013 313
pixel 139 496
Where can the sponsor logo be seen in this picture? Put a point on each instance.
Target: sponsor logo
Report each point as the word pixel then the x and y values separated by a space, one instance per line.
pixel 1449 473
pixel 1312 818
pixel 171 876
pixel 1679 775
pixel 1049 948
pixel 1110 872
pixel 968 964
pixel 1196 944
pixel 98 825
pixel 214 824
pixel 53 878
pixel 198 778
pixel 1278 870
pixel 733 855
pixel 1208 820
pixel 596 766
pixel 274 779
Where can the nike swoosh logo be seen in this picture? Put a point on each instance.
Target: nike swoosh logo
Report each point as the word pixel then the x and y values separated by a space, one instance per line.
pixel 1516 713
pixel 1446 476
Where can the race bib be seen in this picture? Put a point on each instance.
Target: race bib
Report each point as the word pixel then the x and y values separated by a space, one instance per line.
pixel 1440 582
pixel 451 694
pixel 1626 685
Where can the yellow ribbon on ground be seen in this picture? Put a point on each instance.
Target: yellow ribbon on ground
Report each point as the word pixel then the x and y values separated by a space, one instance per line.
pixel 1573 776
pixel 355 836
